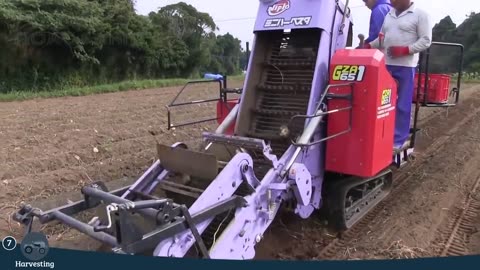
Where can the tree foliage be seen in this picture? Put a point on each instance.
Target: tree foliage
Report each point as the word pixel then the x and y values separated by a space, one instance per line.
pixel 58 43
pixel 446 59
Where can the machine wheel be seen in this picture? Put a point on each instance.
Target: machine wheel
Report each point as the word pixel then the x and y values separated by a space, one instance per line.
pixel 28 250
pixel 350 199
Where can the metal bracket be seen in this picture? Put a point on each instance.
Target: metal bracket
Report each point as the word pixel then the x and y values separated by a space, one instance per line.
pixel 198 239
pixel 242 142
pixel 303 183
pixel 249 177
pixel 346 14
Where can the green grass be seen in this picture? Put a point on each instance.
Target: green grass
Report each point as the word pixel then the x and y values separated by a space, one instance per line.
pixel 139 85
pixel 99 89
pixel 472 77
pixel 472 81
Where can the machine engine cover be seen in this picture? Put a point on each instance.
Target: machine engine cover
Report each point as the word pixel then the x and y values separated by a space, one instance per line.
pixel 367 148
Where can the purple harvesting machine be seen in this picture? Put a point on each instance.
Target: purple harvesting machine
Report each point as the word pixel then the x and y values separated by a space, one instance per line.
pixel 218 203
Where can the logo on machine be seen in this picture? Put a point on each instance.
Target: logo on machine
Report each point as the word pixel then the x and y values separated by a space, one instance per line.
pixel 386 97
pixel 348 73
pixel 386 106
pixel 295 21
pixel 278 8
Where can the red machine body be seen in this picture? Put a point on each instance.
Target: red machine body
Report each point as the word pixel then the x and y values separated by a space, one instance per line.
pixel 437 88
pixel 223 109
pixel 367 149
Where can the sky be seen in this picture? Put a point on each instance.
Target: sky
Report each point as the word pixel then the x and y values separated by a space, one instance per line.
pixel 238 19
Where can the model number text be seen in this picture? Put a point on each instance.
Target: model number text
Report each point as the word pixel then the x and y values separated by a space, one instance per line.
pixel 348 73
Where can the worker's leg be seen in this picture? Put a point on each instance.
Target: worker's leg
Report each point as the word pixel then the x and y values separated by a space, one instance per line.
pixel 405 77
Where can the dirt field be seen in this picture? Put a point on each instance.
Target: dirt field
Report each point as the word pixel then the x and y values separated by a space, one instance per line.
pixel 55 146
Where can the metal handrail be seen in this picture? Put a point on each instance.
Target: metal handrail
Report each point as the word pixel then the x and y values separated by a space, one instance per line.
pixel 308 132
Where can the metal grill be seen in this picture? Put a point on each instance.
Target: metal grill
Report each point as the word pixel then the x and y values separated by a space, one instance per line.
pixel 285 88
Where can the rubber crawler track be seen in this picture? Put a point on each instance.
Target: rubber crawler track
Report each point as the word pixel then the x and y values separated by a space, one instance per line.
pixel 341 243
pixel 400 183
pixel 455 236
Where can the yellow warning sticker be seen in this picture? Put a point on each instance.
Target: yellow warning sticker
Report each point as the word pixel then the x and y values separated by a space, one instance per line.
pixel 386 105
pixel 386 97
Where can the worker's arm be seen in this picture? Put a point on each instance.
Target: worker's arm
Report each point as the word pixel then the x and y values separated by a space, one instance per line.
pixel 424 30
pixel 376 22
pixel 376 42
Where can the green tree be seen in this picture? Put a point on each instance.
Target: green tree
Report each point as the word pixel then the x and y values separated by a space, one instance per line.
pixel 226 55
pixel 194 28
pixel 467 34
pixel 49 44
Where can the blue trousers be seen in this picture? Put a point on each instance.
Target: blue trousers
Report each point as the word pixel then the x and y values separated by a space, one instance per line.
pixel 405 77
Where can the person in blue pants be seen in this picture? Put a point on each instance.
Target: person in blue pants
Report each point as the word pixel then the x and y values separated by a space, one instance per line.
pixel 407 31
pixel 380 9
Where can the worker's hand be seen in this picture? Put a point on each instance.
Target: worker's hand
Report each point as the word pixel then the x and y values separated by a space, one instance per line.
pixel 398 51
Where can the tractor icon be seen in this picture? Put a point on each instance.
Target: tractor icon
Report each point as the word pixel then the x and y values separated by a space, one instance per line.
pixel 34 246
pixel 38 245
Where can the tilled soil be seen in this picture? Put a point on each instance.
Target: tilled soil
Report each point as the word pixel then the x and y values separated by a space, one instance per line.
pixel 49 147
pixel 52 147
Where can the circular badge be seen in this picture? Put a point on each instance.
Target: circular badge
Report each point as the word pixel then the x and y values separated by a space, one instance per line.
pixel 9 243
pixel 34 246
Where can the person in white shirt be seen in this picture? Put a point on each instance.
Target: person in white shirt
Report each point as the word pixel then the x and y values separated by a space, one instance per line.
pixel 407 31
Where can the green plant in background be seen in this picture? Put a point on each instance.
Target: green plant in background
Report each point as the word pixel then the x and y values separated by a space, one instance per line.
pixel 57 45
pixel 76 47
pixel 468 77
pixel 100 89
